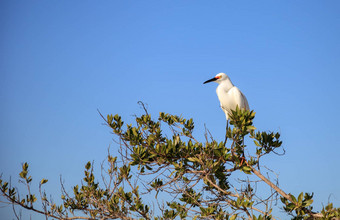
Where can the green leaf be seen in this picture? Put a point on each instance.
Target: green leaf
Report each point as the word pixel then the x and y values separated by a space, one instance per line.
pixel 246 169
pixel 291 206
pixel 293 198
pixel 193 159
pixel 250 127
pixel 25 166
pixel 233 217
pixel 308 203
pixel 300 197
pixel 43 181
pixel 88 165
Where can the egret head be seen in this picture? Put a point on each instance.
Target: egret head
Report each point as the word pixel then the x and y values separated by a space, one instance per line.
pixel 218 78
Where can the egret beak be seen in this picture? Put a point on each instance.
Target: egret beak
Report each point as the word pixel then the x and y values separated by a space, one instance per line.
pixel 210 80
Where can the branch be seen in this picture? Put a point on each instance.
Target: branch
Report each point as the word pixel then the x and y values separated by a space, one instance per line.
pixel 281 192
pixel 15 202
pixel 234 195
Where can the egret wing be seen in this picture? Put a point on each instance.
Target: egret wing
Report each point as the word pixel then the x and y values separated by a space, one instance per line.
pixel 239 98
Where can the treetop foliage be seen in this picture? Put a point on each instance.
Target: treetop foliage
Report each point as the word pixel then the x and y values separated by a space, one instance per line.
pixel 170 175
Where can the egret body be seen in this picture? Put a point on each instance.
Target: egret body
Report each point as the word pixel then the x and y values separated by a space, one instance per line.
pixel 228 94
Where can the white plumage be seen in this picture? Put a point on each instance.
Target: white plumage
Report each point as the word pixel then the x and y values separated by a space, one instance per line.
pixel 228 94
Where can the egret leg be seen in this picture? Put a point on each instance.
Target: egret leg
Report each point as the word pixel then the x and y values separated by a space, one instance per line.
pixel 226 131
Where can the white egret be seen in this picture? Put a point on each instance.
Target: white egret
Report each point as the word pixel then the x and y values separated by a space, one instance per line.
pixel 229 95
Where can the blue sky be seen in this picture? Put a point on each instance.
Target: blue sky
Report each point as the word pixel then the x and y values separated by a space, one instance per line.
pixel 62 60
